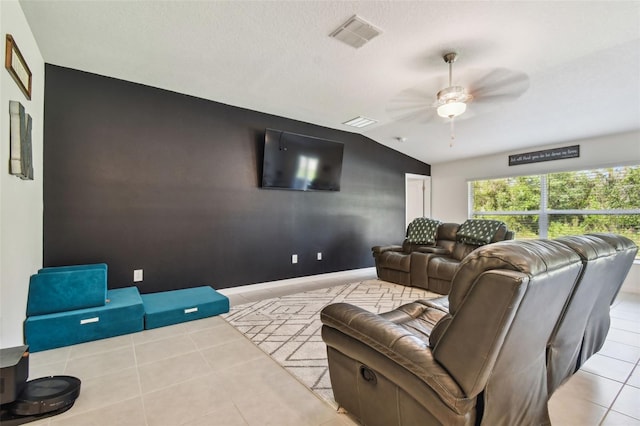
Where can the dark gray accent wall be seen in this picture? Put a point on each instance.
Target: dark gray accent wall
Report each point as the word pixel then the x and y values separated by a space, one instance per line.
pixel 143 178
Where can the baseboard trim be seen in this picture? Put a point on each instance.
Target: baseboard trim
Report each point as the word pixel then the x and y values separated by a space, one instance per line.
pixel 355 273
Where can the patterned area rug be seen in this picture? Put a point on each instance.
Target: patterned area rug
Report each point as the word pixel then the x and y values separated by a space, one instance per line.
pixel 288 328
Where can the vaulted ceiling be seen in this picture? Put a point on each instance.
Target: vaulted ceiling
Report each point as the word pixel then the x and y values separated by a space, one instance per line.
pixel 542 71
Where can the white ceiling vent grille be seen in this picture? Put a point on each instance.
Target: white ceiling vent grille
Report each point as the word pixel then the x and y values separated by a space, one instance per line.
pixel 355 32
pixel 360 122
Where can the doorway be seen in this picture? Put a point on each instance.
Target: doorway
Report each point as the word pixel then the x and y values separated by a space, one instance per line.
pixel 418 196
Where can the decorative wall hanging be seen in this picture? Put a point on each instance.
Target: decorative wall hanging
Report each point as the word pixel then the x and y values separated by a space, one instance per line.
pixel 572 151
pixel 21 163
pixel 16 65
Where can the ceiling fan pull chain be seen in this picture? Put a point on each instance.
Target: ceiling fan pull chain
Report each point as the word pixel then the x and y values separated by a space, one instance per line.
pixel 453 134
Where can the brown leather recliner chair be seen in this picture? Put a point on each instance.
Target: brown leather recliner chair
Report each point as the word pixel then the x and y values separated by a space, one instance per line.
pixel 393 262
pixel 583 325
pixel 428 266
pixel 599 259
pixel 600 320
pixel 433 268
pixel 483 362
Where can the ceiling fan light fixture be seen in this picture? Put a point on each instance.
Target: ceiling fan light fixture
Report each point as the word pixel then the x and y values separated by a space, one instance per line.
pixel 452 109
pixel 452 101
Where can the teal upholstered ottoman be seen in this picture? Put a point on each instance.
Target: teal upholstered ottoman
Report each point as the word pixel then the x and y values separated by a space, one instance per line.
pixel 176 306
pixel 66 288
pixel 123 314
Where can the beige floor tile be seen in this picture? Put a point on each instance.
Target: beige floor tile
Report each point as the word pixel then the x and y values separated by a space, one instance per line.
pixel 628 402
pixel 224 413
pixel 626 310
pixel 625 324
pixel 616 419
pixel 162 349
pixel 634 380
pixel 125 413
pixel 223 333
pixel 106 390
pixel 43 370
pixel 188 326
pixel 231 353
pixel 341 420
pixel 155 334
pixel 623 336
pixel 608 367
pixel 43 422
pixel 590 387
pixel 567 411
pixel 204 323
pixel 100 364
pixel 255 376
pixel 237 299
pixel 269 408
pixel 308 405
pixel 255 295
pixel 49 357
pixel 184 402
pixel 169 371
pixel 261 383
pixel 100 346
pixel 620 351
pixel 627 302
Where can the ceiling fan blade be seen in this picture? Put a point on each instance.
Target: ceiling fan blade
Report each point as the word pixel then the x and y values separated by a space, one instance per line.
pixel 421 116
pixel 500 81
pixel 411 105
pixel 498 98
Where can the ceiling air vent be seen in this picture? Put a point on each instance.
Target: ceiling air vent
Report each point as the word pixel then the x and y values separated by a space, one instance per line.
pixel 355 32
pixel 360 122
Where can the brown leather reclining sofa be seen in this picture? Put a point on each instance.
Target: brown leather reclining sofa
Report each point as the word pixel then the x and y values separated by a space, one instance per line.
pixel 521 318
pixel 430 264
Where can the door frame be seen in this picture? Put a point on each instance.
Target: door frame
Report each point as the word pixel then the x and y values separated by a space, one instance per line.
pixel 426 194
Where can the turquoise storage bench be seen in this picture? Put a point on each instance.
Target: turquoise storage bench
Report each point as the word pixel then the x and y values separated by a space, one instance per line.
pixel 176 306
pixel 66 288
pixel 123 314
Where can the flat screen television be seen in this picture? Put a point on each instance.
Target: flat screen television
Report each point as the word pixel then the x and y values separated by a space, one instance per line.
pixel 299 162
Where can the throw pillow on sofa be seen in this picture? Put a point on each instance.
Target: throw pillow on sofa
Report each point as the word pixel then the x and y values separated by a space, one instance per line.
pixel 478 231
pixel 422 230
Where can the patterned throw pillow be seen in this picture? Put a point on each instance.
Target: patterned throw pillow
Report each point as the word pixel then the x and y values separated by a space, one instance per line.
pixel 422 230
pixel 478 231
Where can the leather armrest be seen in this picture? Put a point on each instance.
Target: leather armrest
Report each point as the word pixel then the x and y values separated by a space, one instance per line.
pixel 434 250
pixel 394 342
pixel 381 249
pixel 440 303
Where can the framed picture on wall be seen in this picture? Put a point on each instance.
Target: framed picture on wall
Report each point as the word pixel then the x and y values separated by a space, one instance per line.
pixel 21 161
pixel 16 65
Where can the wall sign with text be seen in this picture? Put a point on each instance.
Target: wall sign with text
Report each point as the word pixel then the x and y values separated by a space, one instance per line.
pixel 545 155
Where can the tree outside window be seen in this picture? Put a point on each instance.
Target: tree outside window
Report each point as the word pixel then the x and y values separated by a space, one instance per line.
pixel 566 203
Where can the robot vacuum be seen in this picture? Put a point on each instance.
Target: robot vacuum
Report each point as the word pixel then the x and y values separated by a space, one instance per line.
pixel 26 401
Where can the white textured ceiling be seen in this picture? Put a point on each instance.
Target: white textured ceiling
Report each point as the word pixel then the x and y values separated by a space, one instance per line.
pixel 576 63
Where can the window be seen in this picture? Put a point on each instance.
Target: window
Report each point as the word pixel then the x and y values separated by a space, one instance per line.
pixel 566 203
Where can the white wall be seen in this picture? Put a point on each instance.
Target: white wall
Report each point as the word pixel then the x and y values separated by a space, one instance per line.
pixel 449 180
pixel 20 201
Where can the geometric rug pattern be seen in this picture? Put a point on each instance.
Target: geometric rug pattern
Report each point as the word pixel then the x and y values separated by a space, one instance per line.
pixel 287 328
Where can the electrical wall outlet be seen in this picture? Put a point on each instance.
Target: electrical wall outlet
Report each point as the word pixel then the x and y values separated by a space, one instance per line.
pixel 294 258
pixel 319 256
pixel 137 275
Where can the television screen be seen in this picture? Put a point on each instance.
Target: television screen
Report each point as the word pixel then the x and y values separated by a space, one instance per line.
pixel 302 163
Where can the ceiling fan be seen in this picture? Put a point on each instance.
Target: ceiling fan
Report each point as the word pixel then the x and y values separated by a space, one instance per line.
pixel 483 88
pixel 452 100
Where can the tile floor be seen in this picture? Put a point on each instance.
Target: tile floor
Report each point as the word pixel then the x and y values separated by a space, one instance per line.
pixel 207 373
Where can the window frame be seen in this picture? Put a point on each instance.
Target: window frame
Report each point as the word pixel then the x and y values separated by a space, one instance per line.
pixel 544 212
